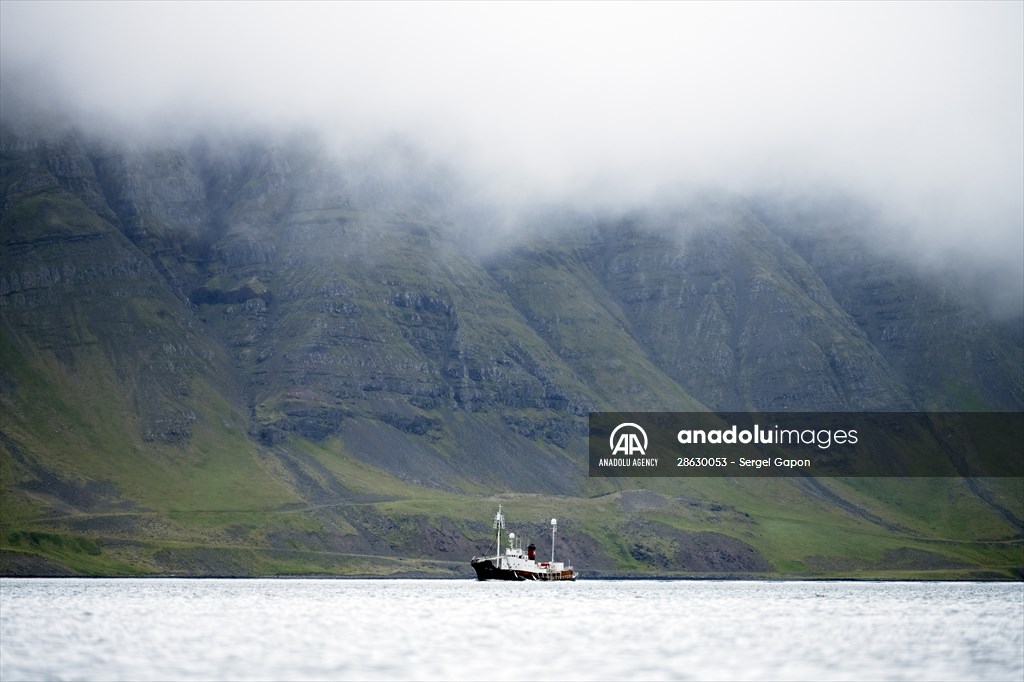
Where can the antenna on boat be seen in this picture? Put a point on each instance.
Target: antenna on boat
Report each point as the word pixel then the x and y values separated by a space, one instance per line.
pixel 554 524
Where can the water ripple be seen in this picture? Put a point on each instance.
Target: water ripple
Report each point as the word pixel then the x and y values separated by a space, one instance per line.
pixel 179 629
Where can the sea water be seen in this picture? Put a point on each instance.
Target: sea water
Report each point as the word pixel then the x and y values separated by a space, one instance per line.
pixel 296 629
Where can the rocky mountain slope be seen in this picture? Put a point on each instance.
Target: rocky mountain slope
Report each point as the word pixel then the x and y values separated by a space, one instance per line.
pixel 246 356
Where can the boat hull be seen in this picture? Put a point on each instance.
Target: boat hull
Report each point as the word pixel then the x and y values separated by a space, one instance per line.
pixel 486 570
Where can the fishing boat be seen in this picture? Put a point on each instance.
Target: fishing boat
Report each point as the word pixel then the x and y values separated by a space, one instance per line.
pixel 514 564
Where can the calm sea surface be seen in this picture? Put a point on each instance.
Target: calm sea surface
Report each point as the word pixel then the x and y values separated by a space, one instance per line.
pixel 170 629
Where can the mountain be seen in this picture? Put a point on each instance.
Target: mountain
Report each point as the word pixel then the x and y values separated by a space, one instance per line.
pixel 247 356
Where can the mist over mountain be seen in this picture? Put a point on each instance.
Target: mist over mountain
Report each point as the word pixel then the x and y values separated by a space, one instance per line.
pixel 272 305
pixel 915 109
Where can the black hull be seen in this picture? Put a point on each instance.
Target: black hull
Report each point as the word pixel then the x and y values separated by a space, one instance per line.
pixel 486 570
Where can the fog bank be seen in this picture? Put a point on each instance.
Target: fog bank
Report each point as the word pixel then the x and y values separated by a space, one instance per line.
pixel 916 107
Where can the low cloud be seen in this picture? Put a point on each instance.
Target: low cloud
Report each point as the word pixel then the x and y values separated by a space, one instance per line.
pixel 916 107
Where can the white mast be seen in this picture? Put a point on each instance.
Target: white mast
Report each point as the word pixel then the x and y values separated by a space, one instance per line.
pixel 499 525
pixel 554 524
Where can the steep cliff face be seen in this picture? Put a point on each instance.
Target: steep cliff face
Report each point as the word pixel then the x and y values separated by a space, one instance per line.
pixel 929 327
pixel 76 287
pixel 734 314
pixel 220 321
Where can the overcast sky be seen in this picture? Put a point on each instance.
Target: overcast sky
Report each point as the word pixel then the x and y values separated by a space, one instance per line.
pixel 917 105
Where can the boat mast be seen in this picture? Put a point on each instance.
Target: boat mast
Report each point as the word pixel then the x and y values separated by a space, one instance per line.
pixel 554 524
pixel 499 525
